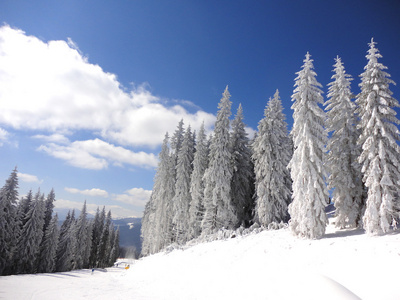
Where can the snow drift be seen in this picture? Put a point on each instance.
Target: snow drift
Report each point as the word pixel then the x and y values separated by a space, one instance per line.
pixel 345 264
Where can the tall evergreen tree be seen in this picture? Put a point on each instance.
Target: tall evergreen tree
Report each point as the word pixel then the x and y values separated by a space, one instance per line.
pixel 111 238
pixel 49 205
pixel 23 208
pixel 28 246
pixel 147 229
pixel 97 229
pixel 163 193
pixel 66 245
pixel 380 151
pixel 242 185
pixel 219 210
pixel 271 154
pixel 343 152
pixel 182 198
pixel 177 140
pixel 83 240
pixel 104 246
pixel 9 229
pixel 114 254
pixel 48 247
pixel 310 195
pixel 200 162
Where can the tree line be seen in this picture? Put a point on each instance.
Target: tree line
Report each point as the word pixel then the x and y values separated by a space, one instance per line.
pixel 347 144
pixel 31 240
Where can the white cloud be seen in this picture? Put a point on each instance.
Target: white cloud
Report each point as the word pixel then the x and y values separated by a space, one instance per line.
pixel 50 86
pixel 134 196
pixel 54 138
pixel 116 210
pixel 3 136
pixel 29 178
pixel 92 192
pixel 251 132
pixel 75 156
pixel 97 154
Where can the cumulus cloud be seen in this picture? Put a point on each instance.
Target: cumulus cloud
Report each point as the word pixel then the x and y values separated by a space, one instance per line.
pixel 51 86
pixel 29 178
pixel 92 192
pixel 134 196
pixel 97 154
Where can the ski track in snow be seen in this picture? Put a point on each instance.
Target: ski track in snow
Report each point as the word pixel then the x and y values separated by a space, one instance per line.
pixel 345 264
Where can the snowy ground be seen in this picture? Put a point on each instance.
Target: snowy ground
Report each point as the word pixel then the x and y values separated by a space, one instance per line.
pixel 268 265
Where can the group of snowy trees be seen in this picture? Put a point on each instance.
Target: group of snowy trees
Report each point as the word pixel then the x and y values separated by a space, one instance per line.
pixel 192 190
pixel 204 185
pixel 32 242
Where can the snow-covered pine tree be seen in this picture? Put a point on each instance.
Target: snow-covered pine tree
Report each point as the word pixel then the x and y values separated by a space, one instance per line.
pixel 163 193
pixel 111 238
pixel 343 167
pixel 200 162
pixel 380 151
pixel 97 230
pixel 310 195
pixel 49 205
pixel 177 140
pixel 104 246
pixel 242 185
pixel 83 240
pixel 23 208
pixel 182 198
pixel 114 254
pixel 272 152
pixel 147 228
pixel 219 211
pixel 48 247
pixel 9 228
pixel 66 244
pixel 28 245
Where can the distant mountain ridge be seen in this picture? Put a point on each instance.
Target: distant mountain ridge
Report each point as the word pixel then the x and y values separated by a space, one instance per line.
pixel 129 232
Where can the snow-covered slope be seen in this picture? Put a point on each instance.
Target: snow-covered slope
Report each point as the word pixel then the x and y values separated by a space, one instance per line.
pixel 268 265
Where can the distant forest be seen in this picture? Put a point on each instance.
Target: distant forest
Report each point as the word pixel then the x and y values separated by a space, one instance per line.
pixel 32 242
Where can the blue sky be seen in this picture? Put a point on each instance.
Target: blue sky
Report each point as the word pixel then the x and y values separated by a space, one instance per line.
pixel 89 88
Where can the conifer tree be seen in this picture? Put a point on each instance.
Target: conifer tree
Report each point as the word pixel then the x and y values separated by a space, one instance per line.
pixel 108 257
pixel 28 245
pixel 49 205
pixel 83 240
pixel 66 245
pixel 310 195
pixel 271 154
pixel 200 162
pixel 242 185
pixel 23 208
pixel 147 229
pixel 48 247
pixel 114 254
pixel 380 151
pixel 177 140
pixel 219 210
pixel 97 230
pixel 104 246
pixel 345 172
pixel 163 193
pixel 182 198
pixel 9 229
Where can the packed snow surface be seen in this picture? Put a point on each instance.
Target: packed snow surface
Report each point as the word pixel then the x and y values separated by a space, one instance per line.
pixel 344 264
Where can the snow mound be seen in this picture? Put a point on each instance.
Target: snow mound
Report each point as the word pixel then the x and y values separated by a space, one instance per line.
pixel 272 264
